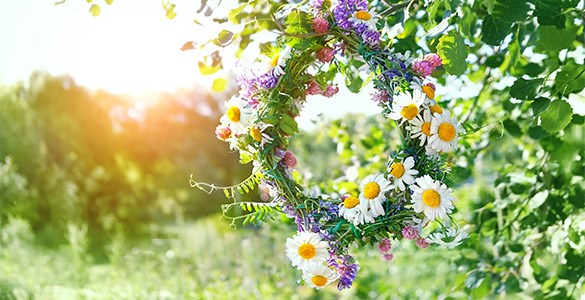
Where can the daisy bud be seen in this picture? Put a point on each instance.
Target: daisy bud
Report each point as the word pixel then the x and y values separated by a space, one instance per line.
pixel 320 25
pixel 325 55
pixel 429 90
pixel 423 68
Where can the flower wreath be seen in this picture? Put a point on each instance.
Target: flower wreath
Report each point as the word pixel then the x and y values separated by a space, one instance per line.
pixel 320 39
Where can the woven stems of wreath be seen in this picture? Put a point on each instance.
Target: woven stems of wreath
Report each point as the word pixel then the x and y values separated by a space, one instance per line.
pixel 395 204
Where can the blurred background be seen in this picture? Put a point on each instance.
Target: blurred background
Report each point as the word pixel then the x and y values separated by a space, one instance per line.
pixel 103 120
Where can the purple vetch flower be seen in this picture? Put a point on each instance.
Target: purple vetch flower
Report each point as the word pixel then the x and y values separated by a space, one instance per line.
pixel 339 49
pixel 267 81
pixel 279 153
pixel 347 270
pixel 316 4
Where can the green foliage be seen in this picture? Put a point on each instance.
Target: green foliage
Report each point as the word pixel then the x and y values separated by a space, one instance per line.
pixel 453 52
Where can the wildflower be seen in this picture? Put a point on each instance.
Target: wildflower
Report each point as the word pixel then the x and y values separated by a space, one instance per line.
pixel 344 9
pixel 434 107
pixel 429 90
pixel 385 245
pixel 380 96
pixel 347 269
pixel 371 197
pixel 434 60
pixel 237 116
pixel 306 248
pixel 451 238
pixel 313 88
pixel 257 133
pixel 364 16
pixel 410 232
pixel 406 106
pixel 325 55
pixel 422 243
pixel 444 132
pixel 403 172
pixel 267 81
pixel 330 91
pixel 388 256
pixel 278 61
pixel 349 207
pixel 420 127
pixel 223 132
pixel 320 25
pixel 289 159
pixel 431 197
pixel 318 276
pixel 422 68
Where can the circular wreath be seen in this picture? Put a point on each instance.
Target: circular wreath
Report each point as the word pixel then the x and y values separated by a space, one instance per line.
pixel 320 40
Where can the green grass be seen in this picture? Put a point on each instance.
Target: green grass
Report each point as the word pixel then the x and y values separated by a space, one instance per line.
pixel 204 260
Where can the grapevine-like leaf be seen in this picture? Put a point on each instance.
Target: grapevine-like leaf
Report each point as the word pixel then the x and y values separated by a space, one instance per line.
pixel 557 116
pixel 453 52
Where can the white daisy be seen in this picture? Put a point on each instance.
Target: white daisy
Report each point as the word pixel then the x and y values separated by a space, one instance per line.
pixel 306 248
pixel 237 116
pixel 278 61
pixel 406 105
pixel 361 217
pixel 349 207
pixel 431 197
pixel 257 133
pixel 372 192
pixel 444 132
pixel 451 238
pixel 364 17
pixel 403 173
pixel 421 127
pixel 318 276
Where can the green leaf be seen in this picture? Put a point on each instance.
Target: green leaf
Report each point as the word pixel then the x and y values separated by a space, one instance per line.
pixel 537 133
pixel 219 85
pixel 95 10
pixel 170 9
pixel 539 105
pixel 551 39
pixel 525 89
pixel 354 83
pixel 557 116
pixel 510 11
pixel 453 52
pixel 109 2
pixel 571 78
pixel 494 30
pixel 288 125
pixel 512 128
pixel 550 12
pixel 233 14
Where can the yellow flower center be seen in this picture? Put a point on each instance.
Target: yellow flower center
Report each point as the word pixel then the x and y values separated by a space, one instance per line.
pixel 447 131
pixel 436 109
pixel 426 128
pixel 371 190
pixel 428 91
pixel 233 113
pixel 409 112
pixel 275 59
pixel 319 280
pixel 256 134
pixel 431 198
pixel 307 251
pixel 397 170
pixel 363 15
pixel 351 202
